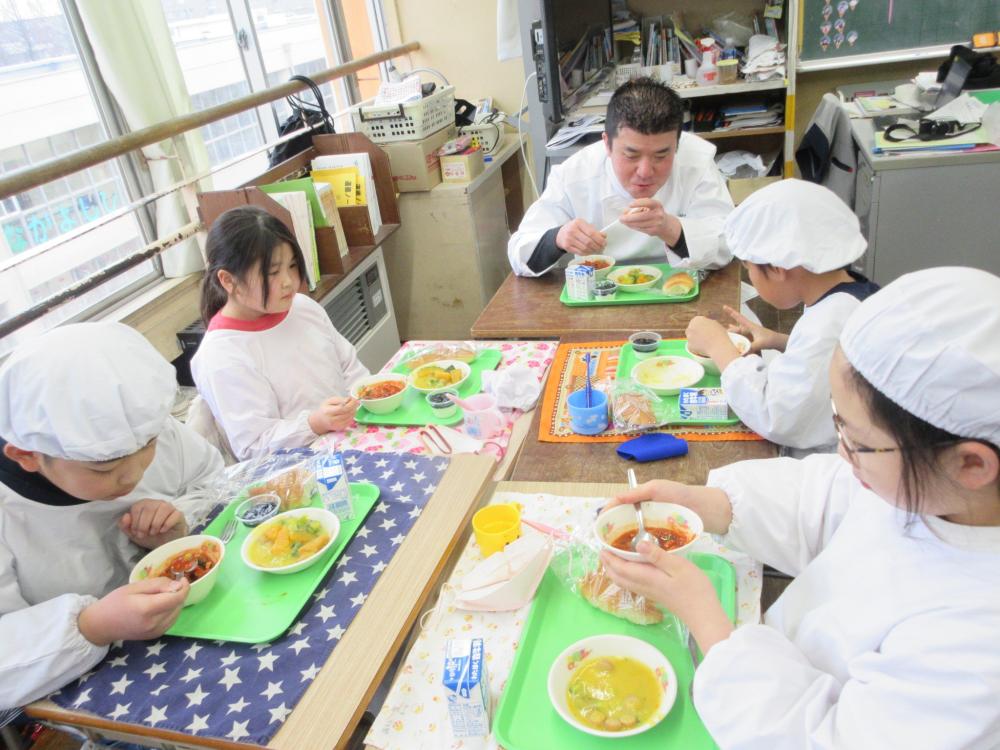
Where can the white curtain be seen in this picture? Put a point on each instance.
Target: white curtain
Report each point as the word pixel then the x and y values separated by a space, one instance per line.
pixel 137 58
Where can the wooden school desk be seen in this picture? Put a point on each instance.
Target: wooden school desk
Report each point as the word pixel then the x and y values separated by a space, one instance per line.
pixel 332 706
pixel 529 308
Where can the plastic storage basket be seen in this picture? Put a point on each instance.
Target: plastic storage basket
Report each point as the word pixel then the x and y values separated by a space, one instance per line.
pixel 407 122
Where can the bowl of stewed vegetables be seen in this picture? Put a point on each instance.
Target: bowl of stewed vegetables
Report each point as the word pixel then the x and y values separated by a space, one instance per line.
pixel 291 541
pixel 439 376
pixel 612 685
pixel 635 278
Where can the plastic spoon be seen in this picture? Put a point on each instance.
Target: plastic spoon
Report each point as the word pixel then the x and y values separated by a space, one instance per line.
pixel 460 403
pixel 586 359
pixel 641 535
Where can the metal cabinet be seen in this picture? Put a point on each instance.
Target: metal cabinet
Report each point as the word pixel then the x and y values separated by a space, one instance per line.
pixel 924 210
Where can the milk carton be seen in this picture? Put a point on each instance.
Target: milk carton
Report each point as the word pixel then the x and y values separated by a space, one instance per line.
pixel 697 404
pixel 467 687
pixel 333 485
pixel 580 282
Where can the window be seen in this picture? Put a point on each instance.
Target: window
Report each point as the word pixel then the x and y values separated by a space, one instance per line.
pixel 46 110
pixel 57 234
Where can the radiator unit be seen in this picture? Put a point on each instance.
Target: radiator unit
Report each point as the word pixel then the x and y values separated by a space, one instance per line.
pixel 361 310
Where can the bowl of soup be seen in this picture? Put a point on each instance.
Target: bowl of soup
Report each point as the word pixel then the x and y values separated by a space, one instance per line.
pixel 291 541
pixel 612 685
pixel 635 278
pixel 742 344
pixel 439 376
pixel 675 527
pixel 602 264
pixel 196 558
pixel 665 376
pixel 381 393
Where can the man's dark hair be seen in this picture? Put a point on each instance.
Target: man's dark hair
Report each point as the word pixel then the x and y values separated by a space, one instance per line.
pixel 646 106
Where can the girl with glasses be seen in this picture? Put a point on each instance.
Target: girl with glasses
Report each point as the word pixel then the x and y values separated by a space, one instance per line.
pixel 887 637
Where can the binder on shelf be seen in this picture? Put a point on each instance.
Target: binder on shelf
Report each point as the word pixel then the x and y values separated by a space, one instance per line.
pixel 355 227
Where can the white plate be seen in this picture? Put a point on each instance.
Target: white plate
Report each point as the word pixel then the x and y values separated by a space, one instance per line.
pixel 683 372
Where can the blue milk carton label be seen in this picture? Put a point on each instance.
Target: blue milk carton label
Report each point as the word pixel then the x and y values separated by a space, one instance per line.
pixel 702 403
pixel 467 687
pixel 333 485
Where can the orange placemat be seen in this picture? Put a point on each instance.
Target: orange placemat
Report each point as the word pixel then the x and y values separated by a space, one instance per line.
pixel 568 374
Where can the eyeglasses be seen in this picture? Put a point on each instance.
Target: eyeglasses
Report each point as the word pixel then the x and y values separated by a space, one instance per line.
pixel 850 447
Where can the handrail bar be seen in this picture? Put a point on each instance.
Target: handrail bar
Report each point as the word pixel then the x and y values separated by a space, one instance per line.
pixel 53 169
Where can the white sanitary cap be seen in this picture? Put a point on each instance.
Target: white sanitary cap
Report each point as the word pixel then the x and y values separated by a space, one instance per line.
pixel 928 341
pixel 792 224
pixel 85 392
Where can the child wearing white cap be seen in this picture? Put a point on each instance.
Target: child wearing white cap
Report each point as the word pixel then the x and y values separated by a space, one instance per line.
pixel 93 472
pixel 796 240
pixel 272 368
pixel 887 637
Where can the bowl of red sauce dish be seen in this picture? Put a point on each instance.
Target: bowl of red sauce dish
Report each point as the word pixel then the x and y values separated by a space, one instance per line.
pixel 601 264
pixel 675 527
pixel 196 558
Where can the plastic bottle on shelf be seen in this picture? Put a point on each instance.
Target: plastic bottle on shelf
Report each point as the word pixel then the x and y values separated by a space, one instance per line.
pixel 729 51
pixel 708 73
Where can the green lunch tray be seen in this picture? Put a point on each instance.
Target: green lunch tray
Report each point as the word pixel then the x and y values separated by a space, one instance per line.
pixel 248 606
pixel 648 297
pixel 415 412
pixel 525 718
pixel 627 360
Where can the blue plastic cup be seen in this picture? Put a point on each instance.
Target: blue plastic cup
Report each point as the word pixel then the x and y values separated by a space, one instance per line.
pixel 588 420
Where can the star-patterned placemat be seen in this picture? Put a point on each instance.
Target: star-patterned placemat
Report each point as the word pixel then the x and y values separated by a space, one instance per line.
pixel 245 692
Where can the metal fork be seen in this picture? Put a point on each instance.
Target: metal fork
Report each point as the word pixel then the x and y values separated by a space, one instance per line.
pixel 228 531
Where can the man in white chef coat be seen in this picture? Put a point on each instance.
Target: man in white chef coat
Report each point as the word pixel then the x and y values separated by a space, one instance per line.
pixel 659 184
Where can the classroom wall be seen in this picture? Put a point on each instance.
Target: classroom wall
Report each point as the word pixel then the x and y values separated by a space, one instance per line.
pixel 447 30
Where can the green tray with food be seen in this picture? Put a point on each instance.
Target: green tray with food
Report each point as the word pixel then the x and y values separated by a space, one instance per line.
pixel 638 284
pixel 527 717
pixel 661 373
pixel 414 393
pixel 262 586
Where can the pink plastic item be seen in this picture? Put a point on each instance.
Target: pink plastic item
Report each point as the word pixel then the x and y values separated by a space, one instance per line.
pixel 483 419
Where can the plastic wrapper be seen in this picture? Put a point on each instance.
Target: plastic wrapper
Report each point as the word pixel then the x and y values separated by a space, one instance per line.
pixel 291 474
pixel 635 408
pixel 456 350
pixel 578 567
pixel 735 26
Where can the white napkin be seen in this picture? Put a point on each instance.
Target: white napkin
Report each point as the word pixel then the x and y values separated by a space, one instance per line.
pixel 514 387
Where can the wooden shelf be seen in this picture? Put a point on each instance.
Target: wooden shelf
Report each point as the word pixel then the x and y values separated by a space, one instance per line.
pixel 354 258
pixel 726 89
pixel 714 135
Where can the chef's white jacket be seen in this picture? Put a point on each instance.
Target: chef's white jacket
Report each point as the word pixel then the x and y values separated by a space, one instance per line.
pixel 262 385
pixel 786 399
pixel 57 560
pixel 585 187
pixel 887 637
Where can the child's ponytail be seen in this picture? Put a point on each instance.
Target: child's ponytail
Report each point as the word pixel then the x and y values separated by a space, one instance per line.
pixel 241 239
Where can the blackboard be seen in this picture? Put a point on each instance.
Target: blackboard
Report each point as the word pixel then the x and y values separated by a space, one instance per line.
pixel 843 28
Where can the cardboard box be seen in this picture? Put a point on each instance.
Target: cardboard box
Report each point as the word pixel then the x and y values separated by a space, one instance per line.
pixel 462 167
pixel 415 165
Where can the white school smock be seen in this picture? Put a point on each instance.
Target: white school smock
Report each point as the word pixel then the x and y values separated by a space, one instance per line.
pixel 787 398
pixel 887 637
pixel 57 560
pixel 585 187
pixel 262 385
